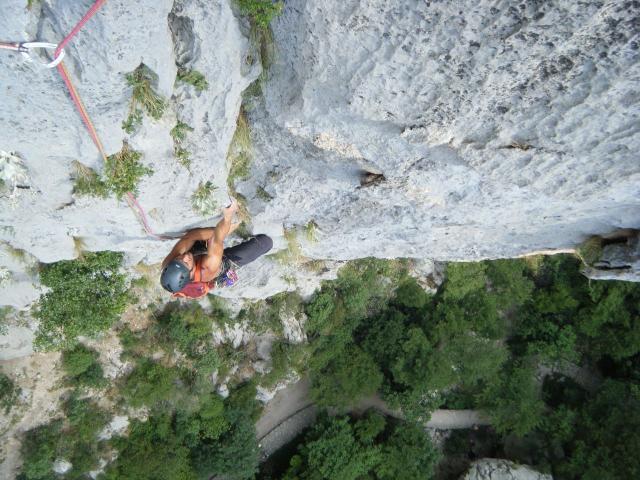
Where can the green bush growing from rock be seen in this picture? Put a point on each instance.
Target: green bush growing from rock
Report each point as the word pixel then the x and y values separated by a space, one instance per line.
pixel 343 448
pixel 194 78
pixel 123 171
pixel 261 12
pixel 9 393
pixel 73 439
pixel 143 98
pixel 150 384
pixel 153 449
pixel 82 368
pixel 86 297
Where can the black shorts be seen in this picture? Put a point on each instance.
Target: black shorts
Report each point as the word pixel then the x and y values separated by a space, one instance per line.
pixel 246 252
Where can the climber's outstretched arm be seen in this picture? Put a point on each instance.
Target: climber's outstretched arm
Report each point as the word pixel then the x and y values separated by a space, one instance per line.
pixel 212 261
pixel 186 242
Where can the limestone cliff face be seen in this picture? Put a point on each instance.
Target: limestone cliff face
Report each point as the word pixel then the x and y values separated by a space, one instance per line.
pixel 42 129
pixel 426 129
pixel 499 127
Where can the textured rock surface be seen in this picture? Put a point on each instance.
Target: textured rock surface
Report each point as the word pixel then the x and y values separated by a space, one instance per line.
pixel 42 128
pixel 497 469
pixel 488 129
pixel 499 127
pixel 618 261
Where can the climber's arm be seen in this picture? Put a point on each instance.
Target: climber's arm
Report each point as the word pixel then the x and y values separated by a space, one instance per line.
pixel 216 244
pixel 186 242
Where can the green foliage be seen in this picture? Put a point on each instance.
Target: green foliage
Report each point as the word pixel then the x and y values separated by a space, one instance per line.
pixel 240 151
pixel 216 438
pixel 123 171
pixel 613 325
pixel 183 156
pixel 463 279
pixel 347 377
pixel 345 448
pixel 143 97
pixel 5 313
pixel 261 12
pixel 40 448
pixel 186 326
pixel 193 77
pixel 513 401
pixel 9 393
pixel 407 454
pixel 607 435
pixel 567 316
pixel 133 121
pixel 74 440
pixel 179 132
pixel 203 201
pixel 179 135
pixel 82 368
pixel 153 449
pixel 86 297
pixel 150 384
pixel 88 182
pixel 311 231
pixel 590 250
pixel 205 425
pixel 284 358
pixel 235 454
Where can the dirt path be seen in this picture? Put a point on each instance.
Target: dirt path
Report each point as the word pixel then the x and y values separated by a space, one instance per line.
pixel 291 411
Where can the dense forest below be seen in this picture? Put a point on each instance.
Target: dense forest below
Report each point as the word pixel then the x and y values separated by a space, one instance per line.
pixel 505 337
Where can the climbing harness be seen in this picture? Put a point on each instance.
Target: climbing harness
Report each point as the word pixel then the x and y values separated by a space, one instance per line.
pixel 25 49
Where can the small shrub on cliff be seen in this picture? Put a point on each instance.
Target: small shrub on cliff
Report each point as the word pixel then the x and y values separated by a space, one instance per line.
pixel 123 171
pixel 194 78
pixel 203 201
pixel 88 182
pixel 149 384
pixel 8 393
pixel 143 97
pixel 82 367
pixel 86 297
pixel 261 12
pixel 74 440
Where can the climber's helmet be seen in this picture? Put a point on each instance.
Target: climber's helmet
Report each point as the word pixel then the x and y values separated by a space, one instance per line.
pixel 175 276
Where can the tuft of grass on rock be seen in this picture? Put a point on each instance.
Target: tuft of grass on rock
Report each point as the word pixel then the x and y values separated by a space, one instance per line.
pixel 240 152
pixel 311 231
pixel 260 12
pixel 179 132
pixel 263 195
pixel 203 201
pixel 179 135
pixel 590 251
pixel 123 171
pixel 88 182
pixel 183 156
pixel 143 98
pixel 292 255
pixel 192 77
pixel 9 393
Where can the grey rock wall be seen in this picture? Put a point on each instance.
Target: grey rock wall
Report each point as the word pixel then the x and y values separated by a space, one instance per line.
pixel 497 469
pixel 426 129
pixel 499 127
pixel 43 130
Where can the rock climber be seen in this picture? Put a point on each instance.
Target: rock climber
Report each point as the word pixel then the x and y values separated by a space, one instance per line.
pixel 199 262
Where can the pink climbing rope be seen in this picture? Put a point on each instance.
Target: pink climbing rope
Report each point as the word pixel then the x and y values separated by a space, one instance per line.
pixel 87 16
pixel 75 97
